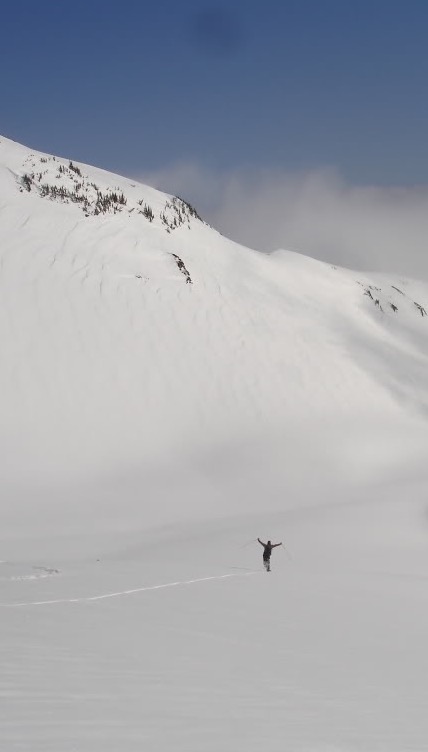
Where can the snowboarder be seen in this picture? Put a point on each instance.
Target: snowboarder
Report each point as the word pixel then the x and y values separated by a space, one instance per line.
pixel 267 550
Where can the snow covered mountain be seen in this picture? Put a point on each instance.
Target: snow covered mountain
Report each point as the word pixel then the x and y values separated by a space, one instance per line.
pixel 159 381
pixel 131 328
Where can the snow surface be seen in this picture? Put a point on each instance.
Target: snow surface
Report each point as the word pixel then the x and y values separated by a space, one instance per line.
pixel 166 397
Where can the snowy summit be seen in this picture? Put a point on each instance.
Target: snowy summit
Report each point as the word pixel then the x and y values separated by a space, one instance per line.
pixel 167 397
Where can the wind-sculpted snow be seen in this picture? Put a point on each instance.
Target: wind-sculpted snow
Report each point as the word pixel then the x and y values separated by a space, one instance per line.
pixel 167 396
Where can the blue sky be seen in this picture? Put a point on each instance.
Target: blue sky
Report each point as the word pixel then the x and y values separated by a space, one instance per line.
pixel 299 124
pixel 137 86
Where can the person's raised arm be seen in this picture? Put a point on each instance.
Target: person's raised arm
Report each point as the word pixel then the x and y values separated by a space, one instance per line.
pixel 275 545
pixel 261 542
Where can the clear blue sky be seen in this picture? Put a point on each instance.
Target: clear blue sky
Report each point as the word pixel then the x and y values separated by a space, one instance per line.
pixel 134 86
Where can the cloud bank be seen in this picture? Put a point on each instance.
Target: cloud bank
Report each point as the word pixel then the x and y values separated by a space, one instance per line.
pixel 317 213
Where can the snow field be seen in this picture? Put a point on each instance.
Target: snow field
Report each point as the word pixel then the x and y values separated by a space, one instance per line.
pixel 151 428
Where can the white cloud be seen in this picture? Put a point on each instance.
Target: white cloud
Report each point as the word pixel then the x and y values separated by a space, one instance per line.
pixel 317 213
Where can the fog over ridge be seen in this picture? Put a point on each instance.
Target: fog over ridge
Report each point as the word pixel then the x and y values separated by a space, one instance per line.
pixel 318 213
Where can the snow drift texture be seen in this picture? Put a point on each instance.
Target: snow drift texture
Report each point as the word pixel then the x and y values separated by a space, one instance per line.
pixel 166 396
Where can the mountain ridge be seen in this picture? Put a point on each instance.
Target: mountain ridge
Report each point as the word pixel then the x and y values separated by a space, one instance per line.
pixel 128 336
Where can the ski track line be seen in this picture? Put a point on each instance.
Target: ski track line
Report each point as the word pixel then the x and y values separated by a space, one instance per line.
pixel 86 599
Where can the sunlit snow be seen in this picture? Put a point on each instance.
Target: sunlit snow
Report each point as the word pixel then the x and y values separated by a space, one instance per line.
pixel 167 396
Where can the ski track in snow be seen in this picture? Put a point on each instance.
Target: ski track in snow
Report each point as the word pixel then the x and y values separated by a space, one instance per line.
pixel 127 592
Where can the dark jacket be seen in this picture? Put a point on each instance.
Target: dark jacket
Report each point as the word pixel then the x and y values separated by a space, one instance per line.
pixel 268 548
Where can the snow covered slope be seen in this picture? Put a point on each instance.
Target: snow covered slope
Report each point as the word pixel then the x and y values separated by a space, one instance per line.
pixel 167 395
pixel 125 336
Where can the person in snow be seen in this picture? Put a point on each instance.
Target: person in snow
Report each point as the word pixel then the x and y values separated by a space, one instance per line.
pixel 267 551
